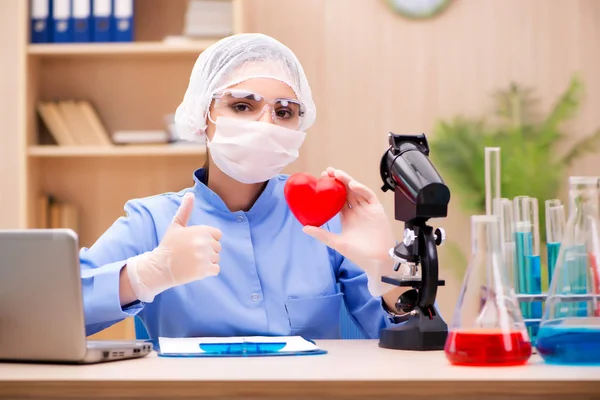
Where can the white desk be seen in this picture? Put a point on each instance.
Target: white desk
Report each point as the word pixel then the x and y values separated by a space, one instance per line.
pixel 351 369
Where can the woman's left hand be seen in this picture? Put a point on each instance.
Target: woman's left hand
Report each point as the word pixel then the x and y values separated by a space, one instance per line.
pixel 366 235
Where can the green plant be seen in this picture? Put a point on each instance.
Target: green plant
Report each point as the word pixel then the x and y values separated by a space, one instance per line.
pixel 534 155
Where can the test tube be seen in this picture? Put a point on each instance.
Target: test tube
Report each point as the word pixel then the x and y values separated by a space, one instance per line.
pixel 555 226
pixel 522 226
pixel 533 265
pixel 508 241
pixel 492 181
pixel 492 190
pixel 527 242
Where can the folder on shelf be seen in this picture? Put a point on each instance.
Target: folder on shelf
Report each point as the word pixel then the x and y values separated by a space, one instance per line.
pixel 61 21
pixel 82 12
pixel 43 213
pixel 52 118
pixel 40 16
pixel 123 21
pixel 102 20
pixel 53 214
pixel 94 127
pixel 83 123
pixel 250 346
pixel 74 123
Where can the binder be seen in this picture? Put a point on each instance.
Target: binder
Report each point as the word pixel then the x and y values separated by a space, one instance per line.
pixel 61 21
pixel 40 17
pixel 123 20
pixel 102 20
pixel 82 21
pixel 253 346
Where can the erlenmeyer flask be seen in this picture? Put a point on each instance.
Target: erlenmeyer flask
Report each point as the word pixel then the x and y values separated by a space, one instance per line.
pixel 570 328
pixel 488 327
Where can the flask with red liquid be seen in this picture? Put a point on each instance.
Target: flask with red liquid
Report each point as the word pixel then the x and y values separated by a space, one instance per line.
pixel 488 327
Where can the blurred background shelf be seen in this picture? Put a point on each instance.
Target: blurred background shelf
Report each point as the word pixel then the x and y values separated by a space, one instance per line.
pixel 119 49
pixel 50 151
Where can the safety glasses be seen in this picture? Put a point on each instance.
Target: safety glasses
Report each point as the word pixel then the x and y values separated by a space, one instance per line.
pixel 247 105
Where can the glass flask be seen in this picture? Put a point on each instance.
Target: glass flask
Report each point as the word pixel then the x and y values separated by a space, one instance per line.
pixel 488 327
pixel 570 328
pixel 555 227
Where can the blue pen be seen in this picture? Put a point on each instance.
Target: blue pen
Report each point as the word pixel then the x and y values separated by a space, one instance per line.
pixel 242 348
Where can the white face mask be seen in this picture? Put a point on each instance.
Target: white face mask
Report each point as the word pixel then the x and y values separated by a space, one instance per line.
pixel 253 151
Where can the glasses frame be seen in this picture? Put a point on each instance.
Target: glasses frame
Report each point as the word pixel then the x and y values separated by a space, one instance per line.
pixel 270 103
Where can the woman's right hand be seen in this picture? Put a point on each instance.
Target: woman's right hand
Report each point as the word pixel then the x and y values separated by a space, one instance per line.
pixel 185 254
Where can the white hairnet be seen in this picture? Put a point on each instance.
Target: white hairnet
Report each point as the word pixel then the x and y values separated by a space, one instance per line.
pixel 230 61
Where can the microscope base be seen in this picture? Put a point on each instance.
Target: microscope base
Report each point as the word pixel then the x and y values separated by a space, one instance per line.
pixel 418 333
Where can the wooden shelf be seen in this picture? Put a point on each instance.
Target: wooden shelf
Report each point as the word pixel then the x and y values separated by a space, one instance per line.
pixel 117 151
pixel 119 49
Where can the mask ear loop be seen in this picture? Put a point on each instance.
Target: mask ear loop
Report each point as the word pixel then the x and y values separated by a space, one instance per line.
pixel 209 116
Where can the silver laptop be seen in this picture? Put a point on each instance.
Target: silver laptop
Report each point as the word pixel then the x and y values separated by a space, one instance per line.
pixel 41 306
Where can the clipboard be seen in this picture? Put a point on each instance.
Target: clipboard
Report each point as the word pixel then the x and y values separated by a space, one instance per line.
pixel 258 346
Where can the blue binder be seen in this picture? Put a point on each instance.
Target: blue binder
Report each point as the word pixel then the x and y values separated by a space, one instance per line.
pixel 82 12
pixel 40 17
pixel 123 20
pixel 102 20
pixel 61 21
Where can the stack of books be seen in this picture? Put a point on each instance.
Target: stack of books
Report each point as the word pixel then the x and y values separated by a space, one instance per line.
pixel 77 123
pixel 208 18
pixel 54 214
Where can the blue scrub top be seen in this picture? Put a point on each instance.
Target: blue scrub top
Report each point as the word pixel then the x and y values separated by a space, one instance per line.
pixel 274 278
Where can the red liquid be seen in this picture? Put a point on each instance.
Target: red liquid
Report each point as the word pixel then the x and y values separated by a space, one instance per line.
pixel 487 348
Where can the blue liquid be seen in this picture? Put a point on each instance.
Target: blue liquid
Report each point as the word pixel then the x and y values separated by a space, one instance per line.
pixel 552 251
pixel 574 345
pixel 579 279
pixel 533 285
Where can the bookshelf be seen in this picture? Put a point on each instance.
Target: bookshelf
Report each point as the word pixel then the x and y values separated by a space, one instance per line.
pixel 118 151
pixel 118 49
pixel 132 86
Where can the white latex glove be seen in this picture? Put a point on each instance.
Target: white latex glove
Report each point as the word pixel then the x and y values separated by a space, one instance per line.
pixel 366 236
pixel 185 254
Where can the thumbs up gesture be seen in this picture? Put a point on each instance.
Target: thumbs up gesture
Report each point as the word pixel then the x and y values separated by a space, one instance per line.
pixel 185 254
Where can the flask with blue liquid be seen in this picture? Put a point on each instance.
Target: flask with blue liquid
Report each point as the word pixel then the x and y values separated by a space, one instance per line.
pixel 569 331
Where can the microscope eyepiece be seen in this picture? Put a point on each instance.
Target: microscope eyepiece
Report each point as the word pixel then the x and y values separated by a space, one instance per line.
pixel 405 168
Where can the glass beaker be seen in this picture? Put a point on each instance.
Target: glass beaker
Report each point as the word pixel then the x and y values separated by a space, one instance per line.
pixel 488 327
pixel 570 328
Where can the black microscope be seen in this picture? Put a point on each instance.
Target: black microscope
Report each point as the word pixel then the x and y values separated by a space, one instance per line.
pixel 420 194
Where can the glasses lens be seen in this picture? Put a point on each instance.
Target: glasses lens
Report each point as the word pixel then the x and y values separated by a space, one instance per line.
pixel 251 106
pixel 288 113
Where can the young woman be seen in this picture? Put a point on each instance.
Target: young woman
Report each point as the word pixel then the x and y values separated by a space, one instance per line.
pixel 226 256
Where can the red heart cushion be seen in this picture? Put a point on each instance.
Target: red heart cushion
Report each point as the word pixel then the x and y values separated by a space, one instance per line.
pixel 314 201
